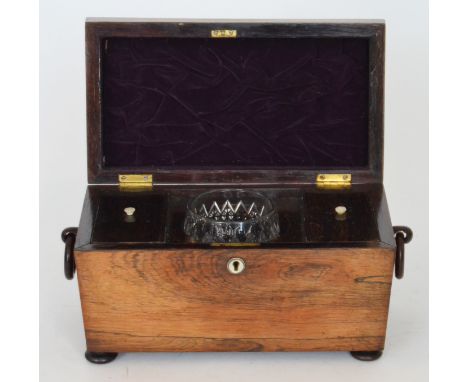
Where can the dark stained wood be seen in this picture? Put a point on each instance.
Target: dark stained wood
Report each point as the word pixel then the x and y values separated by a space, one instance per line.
pixel 98 29
pixel 186 300
pixel 88 215
pixel 306 216
pixel 147 225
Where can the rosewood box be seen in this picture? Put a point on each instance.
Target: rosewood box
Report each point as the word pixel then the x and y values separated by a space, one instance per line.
pixel 235 198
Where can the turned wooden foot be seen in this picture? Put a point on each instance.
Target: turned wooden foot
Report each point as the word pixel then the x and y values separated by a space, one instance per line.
pixel 100 358
pixel 367 355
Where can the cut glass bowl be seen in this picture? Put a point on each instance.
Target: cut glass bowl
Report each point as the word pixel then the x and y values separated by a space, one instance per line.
pixel 231 216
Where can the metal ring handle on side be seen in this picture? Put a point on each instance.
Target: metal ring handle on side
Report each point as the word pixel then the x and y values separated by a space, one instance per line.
pixel 69 237
pixel 403 235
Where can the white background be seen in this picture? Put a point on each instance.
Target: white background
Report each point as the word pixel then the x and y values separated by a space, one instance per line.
pixel 63 183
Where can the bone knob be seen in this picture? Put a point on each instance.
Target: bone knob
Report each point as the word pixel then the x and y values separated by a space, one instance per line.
pixel 129 211
pixel 340 210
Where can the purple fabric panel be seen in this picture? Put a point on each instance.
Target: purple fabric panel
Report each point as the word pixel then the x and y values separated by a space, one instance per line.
pixel 299 102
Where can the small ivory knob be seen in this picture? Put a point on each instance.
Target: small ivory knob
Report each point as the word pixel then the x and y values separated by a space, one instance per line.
pixel 340 210
pixel 129 211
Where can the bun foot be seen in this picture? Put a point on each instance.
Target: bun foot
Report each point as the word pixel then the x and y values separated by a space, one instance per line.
pixel 367 355
pixel 100 358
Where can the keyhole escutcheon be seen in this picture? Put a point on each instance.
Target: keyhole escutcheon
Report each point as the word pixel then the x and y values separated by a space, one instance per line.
pixel 236 265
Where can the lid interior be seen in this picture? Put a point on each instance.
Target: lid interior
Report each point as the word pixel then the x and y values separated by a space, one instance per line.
pixel 202 102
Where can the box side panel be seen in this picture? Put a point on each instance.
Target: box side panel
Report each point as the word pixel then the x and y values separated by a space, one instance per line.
pixel 285 300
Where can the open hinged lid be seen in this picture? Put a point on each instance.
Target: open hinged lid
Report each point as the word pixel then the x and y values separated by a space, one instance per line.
pixel 199 102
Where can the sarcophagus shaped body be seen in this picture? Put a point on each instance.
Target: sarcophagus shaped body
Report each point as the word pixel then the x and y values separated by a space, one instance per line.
pixel 235 198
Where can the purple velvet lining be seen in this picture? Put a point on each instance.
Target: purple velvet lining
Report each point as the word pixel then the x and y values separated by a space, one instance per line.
pixel 235 102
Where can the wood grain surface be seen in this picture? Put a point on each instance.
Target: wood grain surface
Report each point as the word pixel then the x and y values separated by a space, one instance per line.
pixel 186 300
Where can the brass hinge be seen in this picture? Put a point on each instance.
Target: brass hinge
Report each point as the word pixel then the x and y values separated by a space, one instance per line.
pixel 136 181
pixel 333 180
pixel 224 33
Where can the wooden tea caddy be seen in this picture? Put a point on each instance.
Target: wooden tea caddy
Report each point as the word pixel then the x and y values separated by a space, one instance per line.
pixel 290 109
